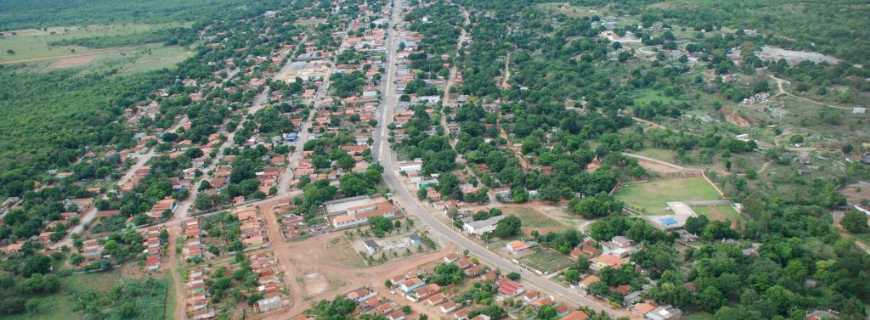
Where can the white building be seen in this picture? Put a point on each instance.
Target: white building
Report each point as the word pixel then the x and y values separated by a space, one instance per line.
pixel 483 226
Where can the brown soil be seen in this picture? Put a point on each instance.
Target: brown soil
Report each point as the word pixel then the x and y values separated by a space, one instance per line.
pixel 324 266
pixel 856 192
pixel 177 283
pixel 657 167
pixel 74 61
pixel 735 118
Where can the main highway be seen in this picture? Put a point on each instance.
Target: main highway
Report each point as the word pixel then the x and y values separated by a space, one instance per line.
pixel 427 216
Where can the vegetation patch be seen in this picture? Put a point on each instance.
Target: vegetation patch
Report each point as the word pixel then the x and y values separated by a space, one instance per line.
pixel 547 261
pixel 30 45
pixel 533 218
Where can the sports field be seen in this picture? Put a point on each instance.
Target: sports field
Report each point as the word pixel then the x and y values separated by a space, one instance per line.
pixel 651 197
pixel 718 213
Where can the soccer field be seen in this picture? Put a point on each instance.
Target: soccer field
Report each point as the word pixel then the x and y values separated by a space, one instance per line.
pixel 651 197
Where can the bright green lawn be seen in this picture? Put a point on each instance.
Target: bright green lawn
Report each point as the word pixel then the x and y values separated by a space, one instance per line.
pixel 651 197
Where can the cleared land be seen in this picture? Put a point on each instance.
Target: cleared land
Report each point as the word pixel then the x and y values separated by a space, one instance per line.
pixel 570 10
pixel 534 220
pixel 719 213
pixel 660 154
pixel 650 197
pixel 546 260
pixel 35 44
pixel 39 49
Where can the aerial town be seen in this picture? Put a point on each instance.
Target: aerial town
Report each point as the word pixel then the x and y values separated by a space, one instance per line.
pixel 434 159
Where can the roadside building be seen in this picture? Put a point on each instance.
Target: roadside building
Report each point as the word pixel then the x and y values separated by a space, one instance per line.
pixel 478 228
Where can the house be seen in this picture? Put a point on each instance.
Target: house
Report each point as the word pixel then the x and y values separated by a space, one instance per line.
pixel 586 249
pixel 643 308
pixel 411 167
pixel 509 288
pixel 517 247
pixel 409 285
pixel 473 271
pixel 361 295
pixel 350 212
pixel 396 315
pixel 13 248
pixel 531 296
pixel 424 292
pixel 167 204
pixel 483 226
pixel 663 313
pixel 547 301
pixel 448 307
pixel 632 298
pixel 588 281
pixel 269 304
pixel 462 314
pixel 622 290
pixel 436 299
pixel 92 249
pixel 619 246
pixel 576 315
pixel 429 99
pixel 604 261
pixel 822 315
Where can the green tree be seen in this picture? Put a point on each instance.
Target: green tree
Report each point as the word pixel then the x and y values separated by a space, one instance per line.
pixel 855 222
pixel 508 227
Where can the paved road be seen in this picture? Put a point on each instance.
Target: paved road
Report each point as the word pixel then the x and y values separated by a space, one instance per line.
pixel 440 229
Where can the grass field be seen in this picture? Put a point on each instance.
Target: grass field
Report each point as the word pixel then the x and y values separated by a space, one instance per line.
pixel 546 260
pixel 718 213
pixel 650 197
pixel 34 48
pixel 533 218
pixel 34 44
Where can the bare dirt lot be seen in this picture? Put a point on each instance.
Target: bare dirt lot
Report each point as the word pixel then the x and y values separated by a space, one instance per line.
pixel 793 57
pixel 324 266
pixel 658 167
pixel 72 61
pixel 315 283
pixel 857 192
